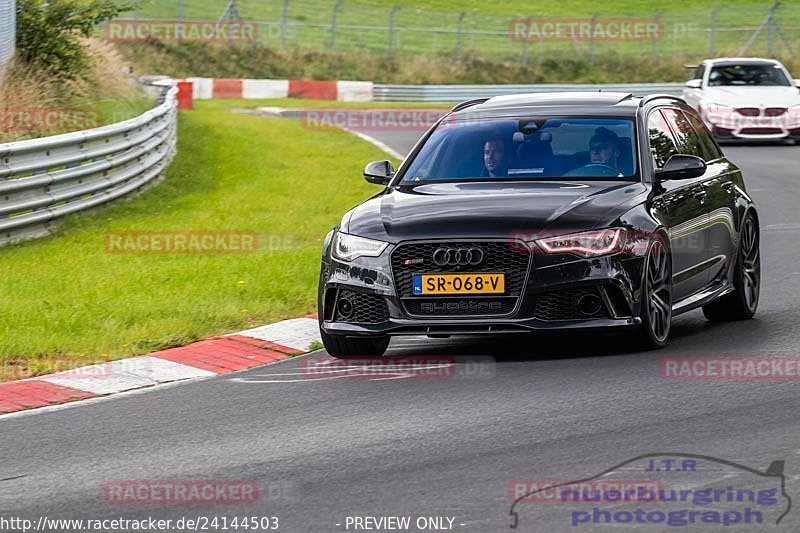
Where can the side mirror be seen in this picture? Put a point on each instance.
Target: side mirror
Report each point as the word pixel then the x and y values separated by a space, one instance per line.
pixel 694 84
pixel 682 167
pixel 797 83
pixel 379 172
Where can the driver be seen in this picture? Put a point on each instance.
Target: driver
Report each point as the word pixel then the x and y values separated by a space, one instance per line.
pixel 495 160
pixel 604 148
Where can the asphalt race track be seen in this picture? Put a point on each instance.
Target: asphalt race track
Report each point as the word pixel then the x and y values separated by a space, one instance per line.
pixel 439 444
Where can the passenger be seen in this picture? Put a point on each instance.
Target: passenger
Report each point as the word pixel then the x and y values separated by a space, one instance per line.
pixel 495 158
pixel 604 148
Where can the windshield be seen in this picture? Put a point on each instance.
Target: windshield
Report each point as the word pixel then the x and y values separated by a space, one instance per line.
pixel 764 74
pixel 527 149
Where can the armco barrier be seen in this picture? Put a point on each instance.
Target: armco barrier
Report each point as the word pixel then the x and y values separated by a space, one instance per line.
pixel 457 93
pixel 8 31
pixel 363 91
pixel 42 180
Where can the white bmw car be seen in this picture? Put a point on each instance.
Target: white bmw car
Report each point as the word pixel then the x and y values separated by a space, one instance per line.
pixel 746 99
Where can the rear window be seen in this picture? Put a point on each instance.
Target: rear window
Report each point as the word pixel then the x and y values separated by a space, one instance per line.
pixel 534 148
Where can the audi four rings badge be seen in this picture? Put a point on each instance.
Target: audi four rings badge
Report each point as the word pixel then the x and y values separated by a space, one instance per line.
pixel 458 256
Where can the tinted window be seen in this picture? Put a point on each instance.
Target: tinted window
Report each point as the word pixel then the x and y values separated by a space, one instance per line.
pixel 757 74
pixel 712 151
pixel 662 144
pixel 529 148
pixel 698 72
pixel 687 140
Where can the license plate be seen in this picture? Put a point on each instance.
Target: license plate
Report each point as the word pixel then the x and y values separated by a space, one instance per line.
pixel 482 283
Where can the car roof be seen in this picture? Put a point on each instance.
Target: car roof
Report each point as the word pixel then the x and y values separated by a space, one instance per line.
pixel 726 61
pixel 561 103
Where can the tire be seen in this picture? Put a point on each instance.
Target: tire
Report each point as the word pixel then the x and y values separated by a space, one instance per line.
pixel 742 303
pixel 656 302
pixel 343 347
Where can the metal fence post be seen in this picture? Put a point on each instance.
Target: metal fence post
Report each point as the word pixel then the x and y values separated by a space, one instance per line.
pixel 657 36
pixel 771 28
pixel 390 49
pixel 458 35
pixel 180 19
pixel 591 37
pixel 284 23
pixel 333 23
pixel 711 31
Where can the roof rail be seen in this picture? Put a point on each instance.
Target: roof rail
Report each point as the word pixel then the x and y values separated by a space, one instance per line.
pixel 651 97
pixel 468 103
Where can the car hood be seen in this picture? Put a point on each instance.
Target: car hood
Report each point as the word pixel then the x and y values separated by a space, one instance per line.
pixel 491 210
pixel 752 96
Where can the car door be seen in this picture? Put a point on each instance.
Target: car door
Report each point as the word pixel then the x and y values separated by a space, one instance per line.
pixel 680 209
pixel 723 177
pixel 715 233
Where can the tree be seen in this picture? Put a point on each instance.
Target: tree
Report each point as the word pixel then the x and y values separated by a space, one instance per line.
pixel 49 32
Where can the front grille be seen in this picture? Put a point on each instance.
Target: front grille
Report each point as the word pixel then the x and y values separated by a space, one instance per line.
pixel 774 111
pixel 748 111
pixel 367 308
pixel 563 304
pixel 507 257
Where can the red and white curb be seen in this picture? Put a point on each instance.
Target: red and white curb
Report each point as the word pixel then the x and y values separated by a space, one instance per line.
pixel 343 91
pixel 209 357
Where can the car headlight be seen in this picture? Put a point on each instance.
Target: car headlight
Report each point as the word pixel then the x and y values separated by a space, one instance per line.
pixel 586 244
pixel 718 114
pixel 793 117
pixel 349 247
pixel 710 106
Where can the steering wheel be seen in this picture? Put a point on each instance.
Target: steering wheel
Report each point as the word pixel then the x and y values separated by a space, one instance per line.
pixel 594 169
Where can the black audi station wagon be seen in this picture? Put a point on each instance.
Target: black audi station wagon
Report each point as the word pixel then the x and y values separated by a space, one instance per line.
pixel 568 211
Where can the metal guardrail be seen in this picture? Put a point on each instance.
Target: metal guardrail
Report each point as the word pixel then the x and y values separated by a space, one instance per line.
pixel 457 93
pixel 8 25
pixel 42 180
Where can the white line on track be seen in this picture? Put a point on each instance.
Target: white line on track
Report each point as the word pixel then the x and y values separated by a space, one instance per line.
pixel 372 140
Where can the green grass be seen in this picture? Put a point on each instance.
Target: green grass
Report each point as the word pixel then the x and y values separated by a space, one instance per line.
pixel 224 61
pixel 90 115
pixel 118 110
pixel 430 27
pixel 66 298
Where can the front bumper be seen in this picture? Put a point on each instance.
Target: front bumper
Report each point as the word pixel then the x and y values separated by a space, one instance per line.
pixel 755 134
pixel 552 285
pixel 416 326
pixel 732 127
